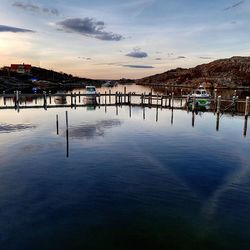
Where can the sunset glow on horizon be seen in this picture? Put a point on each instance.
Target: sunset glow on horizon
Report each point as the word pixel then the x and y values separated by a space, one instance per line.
pixel 115 39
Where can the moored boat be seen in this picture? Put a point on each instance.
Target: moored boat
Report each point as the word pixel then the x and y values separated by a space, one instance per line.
pixel 90 97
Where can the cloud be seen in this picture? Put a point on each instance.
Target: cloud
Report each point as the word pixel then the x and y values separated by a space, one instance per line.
pixel 84 58
pixel 138 66
pixel 234 6
pixel 205 57
pixel 4 28
pixel 137 53
pixel 89 27
pixel 36 8
pixel 181 57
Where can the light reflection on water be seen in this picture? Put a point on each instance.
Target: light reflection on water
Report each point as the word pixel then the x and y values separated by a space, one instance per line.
pixel 128 181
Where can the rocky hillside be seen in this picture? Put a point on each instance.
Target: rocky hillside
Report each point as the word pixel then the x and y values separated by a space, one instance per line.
pixel 232 72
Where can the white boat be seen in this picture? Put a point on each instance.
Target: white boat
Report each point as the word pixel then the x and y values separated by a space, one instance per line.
pixel 90 97
pixel 201 97
pixel 200 92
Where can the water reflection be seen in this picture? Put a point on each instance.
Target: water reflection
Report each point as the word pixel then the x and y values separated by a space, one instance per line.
pixel 90 130
pixel 9 128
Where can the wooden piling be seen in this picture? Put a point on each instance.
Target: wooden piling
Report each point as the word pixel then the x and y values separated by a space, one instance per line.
pixel 110 96
pixel 193 104
pixel 125 92
pixel 57 125
pixel 71 99
pixel 218 104
pixel 218 122
pixel 116 97
pixel 105 98
pixel 246 106
pixel 79 95
pixel 50 97
pixel 4 99
pixel 245 126
pixel 45 100
pixel 172 102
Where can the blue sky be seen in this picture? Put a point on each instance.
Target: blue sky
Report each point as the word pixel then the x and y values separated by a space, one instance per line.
pixel 115 39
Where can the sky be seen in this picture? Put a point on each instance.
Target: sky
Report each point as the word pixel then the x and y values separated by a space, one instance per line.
pixel 115 39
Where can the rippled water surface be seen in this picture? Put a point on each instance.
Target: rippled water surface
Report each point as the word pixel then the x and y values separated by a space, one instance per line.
pixel 128 183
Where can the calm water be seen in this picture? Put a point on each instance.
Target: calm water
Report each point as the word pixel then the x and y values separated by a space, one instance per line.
pixel 128 183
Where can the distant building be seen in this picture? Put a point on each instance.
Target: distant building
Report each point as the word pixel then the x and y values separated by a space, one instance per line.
pixel 21 68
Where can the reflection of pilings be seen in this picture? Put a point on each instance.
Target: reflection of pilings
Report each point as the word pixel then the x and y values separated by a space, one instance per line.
pixel 57 125
pixel 130 111
pixel 67 135
pixel 109 96
pixel 143 110
pixel 245 126
pixel 218 122
pixel 116 109
pixel 172 116
pixel 157 114
pixel 193 118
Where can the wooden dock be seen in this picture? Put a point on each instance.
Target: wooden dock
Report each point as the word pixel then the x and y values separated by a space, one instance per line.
pixel 46 100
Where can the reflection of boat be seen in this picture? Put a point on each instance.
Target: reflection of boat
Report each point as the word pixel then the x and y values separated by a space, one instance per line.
pixel 60 97
pixel 200 96
pixel 90 97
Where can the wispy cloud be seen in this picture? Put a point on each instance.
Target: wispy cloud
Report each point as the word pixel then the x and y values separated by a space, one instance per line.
pixel 36 8
pixel 205 57
pixel 137 53
pixel 234 5
pixel 89 27
pixel 181 57
pixel 138 66
pixel 84 58
pixel 4 28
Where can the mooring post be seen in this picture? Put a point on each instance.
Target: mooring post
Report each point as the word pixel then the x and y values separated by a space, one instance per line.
pixel 172 100
pixel 71 99
pixel 79 95
pixel 246 107
pixel 125 92
pixel 215 98
pixel 67 134
pixel 4 99
pixel 116 97
pixel 49 96
pixel 17 99
pixel 75 99
pixel 193 104
pixel 157 101
pixel 169 101
pixel 218 104
pixel 181 97
pixel 245 127
pixel 57 125
pixel 45 100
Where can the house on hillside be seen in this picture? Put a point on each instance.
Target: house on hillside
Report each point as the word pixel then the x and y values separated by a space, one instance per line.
pixel 21 68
